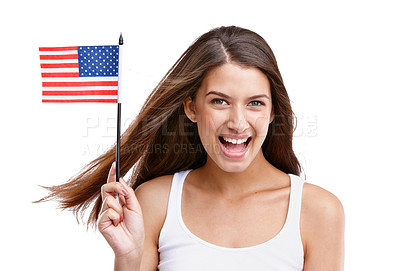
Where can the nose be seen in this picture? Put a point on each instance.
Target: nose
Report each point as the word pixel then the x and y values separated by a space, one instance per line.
pixel 237 119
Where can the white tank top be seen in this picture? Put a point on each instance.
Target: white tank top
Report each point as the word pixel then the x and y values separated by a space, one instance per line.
pixel 181 250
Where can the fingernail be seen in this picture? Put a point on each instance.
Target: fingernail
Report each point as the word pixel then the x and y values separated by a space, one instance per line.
pixel 122 218
pixel 124 191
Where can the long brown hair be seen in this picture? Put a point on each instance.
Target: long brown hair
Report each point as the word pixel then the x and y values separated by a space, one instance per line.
pixel 162 140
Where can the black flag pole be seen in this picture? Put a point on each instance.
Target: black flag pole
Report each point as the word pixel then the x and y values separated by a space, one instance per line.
pixel 121 42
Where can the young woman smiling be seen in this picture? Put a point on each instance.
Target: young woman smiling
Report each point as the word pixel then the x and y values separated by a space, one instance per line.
pixel 224 192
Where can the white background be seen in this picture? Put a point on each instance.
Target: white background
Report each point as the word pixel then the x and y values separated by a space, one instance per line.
pixel 340 63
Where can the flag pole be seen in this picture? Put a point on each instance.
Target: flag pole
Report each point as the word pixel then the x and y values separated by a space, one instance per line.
pixel 121 42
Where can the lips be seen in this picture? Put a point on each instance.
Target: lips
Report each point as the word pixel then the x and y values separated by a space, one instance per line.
pixel 234 147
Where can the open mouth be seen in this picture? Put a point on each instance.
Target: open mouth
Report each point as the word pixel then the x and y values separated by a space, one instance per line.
pixel 234 145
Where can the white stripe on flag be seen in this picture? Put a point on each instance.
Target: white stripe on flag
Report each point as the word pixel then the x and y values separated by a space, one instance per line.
pixel 55 61
pixel 67 52
pixel 79 97
pixel 79 79
pixel 56 70
pixel 79 88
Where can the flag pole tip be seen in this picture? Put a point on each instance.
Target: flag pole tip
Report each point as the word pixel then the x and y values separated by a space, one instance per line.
pixel 121 39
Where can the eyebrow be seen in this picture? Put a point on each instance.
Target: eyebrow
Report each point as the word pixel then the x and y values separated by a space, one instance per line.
pixel 227 96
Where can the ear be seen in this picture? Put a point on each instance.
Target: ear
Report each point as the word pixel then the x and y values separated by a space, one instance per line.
pixel 190 109
pixel 271 116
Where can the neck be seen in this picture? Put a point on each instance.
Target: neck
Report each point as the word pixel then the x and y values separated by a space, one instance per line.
pixel 258 176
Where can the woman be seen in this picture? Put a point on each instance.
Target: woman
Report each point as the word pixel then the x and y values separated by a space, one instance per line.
pixel 216 178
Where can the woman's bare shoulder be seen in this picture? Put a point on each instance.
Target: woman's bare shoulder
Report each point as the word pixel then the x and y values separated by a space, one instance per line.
pixel 153 198
pixel 154 193
pixel 322 219
pixel 320 203
pixel 155 185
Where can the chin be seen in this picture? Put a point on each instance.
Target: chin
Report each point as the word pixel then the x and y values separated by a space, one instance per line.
pixel 232 167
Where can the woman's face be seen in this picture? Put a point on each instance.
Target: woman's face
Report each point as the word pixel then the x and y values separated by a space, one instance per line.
pixel 233 109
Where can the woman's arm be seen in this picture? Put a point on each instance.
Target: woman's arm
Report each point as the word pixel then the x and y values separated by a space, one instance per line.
pixel 322 230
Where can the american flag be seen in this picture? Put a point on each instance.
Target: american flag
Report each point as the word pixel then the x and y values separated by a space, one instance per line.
pixel 79 74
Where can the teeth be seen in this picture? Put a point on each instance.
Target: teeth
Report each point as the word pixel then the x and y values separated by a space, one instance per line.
pixel 235 141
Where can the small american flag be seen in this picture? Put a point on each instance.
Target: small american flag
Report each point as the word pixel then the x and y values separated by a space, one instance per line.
pixel 79 74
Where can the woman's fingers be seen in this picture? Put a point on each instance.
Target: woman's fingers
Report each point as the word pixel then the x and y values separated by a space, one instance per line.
pixel 112 187
pixel 127 196
pixel 111 202
pixel 131 202
pixel 113 211
pixel 108 217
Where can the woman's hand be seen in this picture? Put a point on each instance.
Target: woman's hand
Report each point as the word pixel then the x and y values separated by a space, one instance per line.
pixel 121 221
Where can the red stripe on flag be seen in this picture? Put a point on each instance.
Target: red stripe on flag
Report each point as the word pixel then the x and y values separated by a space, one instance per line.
pixel 67 48
pixel 82 101
pixel 60 74
pixel 49 57
pixel 77 92
pixel 80 84
pixel 59 65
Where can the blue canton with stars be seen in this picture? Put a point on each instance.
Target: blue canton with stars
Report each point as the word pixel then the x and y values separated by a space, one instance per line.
pixel 98 60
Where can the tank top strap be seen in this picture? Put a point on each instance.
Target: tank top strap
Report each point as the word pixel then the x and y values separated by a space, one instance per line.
pixel 296 191
pixel 175 194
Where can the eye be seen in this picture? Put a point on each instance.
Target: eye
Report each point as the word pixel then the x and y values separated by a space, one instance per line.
pixel 256 103
pixel 219 101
